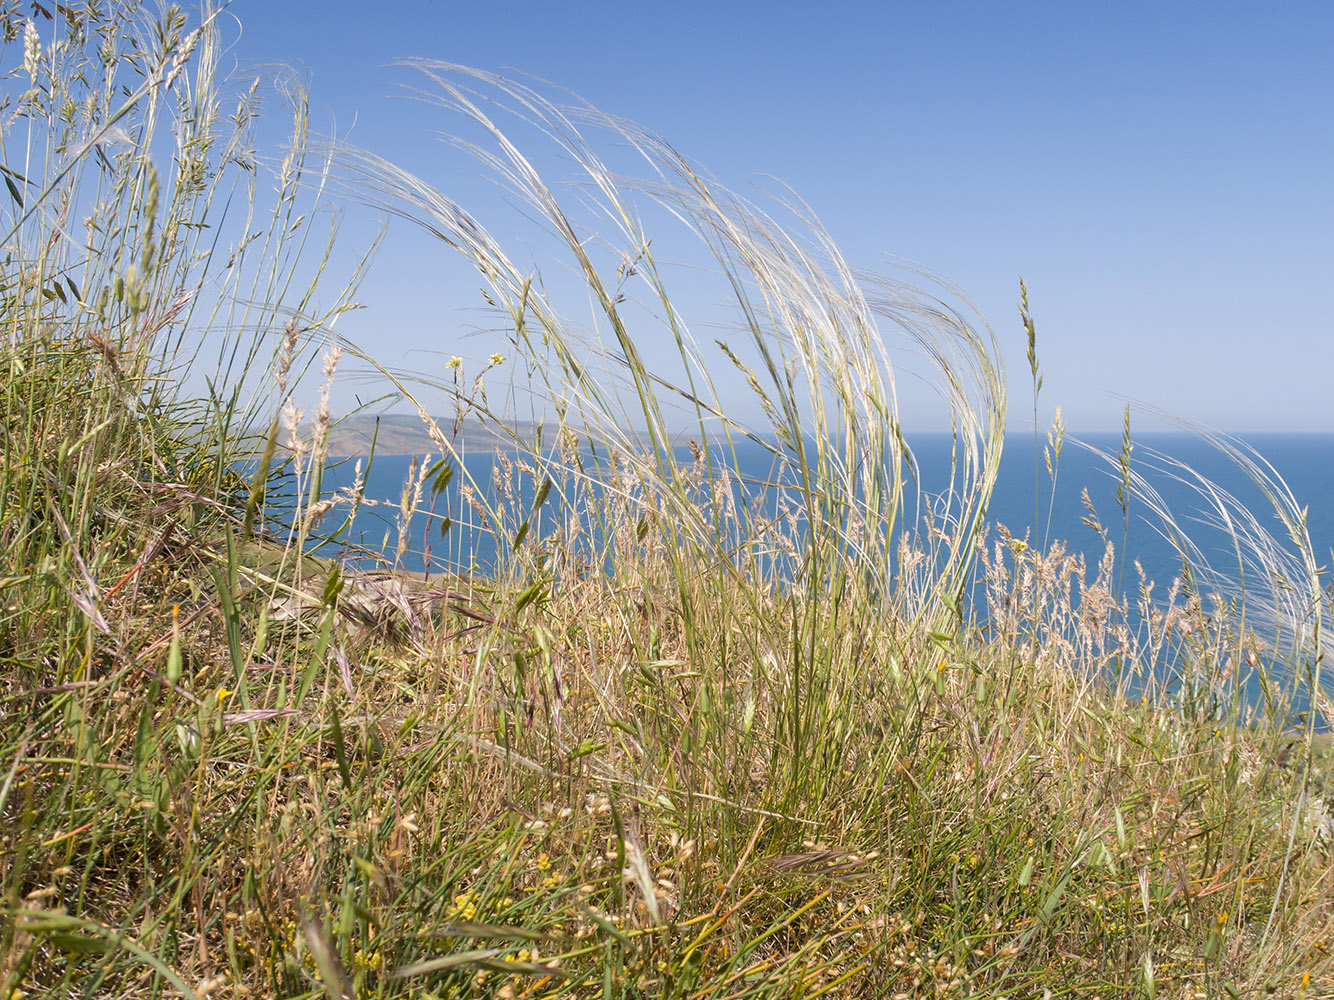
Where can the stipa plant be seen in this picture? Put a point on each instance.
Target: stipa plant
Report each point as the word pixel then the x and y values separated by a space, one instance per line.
pixel 1263 588
pixel 820 376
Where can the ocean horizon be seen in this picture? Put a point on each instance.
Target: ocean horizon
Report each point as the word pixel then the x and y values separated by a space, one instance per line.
pixel 1304 461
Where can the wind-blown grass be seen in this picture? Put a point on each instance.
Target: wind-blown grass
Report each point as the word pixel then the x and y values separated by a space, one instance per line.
pixel 687 739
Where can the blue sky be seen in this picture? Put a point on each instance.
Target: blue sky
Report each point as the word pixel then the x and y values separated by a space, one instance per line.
pixel 1160 174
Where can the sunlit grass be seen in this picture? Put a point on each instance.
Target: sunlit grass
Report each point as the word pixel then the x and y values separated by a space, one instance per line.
pixel 689 736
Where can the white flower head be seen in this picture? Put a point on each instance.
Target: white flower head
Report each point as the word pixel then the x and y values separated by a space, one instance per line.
pixel 331 359
pixel 32 50
pixel 183 55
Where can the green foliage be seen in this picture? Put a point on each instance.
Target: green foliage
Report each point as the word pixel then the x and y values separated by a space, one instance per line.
pixel 680 741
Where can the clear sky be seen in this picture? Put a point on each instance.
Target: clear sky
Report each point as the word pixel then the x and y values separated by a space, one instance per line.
pixel 1162 175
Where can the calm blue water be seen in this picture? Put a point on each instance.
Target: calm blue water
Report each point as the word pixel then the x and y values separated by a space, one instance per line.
pixel 1305 462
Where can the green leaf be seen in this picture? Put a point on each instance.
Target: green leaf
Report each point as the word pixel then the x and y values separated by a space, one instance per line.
pixel 1053 899
pixel 441 474
pixel 257 486
pixel 942 640
pixel 585 748
pixel 174 656
pixel 317 656
pixel 529 595
pixel 340 748
pixel 333 586
pixel 542 491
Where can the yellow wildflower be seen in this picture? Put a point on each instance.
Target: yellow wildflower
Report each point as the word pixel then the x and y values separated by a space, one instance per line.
pixel 464 908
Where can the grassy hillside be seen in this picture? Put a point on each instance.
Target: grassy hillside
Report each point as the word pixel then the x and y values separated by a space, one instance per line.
pixel 682 743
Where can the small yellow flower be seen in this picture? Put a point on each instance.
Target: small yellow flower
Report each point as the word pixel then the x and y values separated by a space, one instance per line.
pixel 497 359
pixel 454 362
pixel 368 959
pixel 464 908
pixel 223 695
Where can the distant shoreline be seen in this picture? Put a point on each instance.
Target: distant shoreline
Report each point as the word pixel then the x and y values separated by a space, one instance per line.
pixel 405 434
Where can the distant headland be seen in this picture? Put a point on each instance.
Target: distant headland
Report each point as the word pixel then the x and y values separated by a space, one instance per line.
pixel 407 434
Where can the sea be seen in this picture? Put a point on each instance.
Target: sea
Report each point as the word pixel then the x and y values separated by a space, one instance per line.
pixel 1200 485
pixel 1026 500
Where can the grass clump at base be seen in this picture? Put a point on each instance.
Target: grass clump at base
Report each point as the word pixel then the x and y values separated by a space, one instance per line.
pixel 686 739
